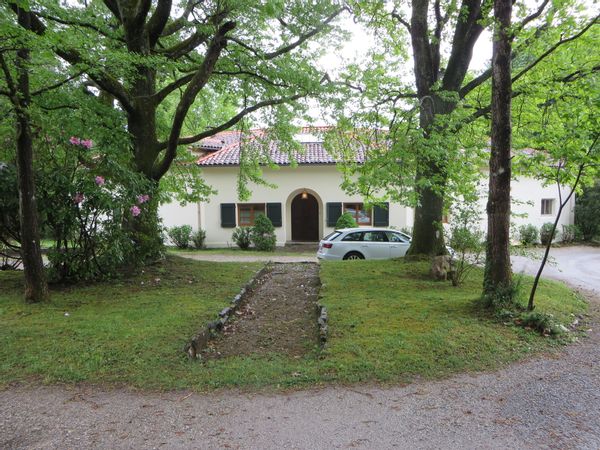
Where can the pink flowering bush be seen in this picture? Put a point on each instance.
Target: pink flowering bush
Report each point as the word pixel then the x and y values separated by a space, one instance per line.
pixel 95 220
pixel 78 198
pixel 85 143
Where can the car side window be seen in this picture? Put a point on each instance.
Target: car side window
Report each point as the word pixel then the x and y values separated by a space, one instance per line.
pixel 396 237
pixel 353 237
pixel 375 236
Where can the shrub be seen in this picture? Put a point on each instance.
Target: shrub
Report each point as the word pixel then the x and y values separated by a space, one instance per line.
pixel 242 237
pixel 504 297
pixel 586 212
pixel 198 238
pixel 467 241
pixel 546 235
pixel 571 233
pixel 528 234
pixel 345 221
pixel 263 234
pixel 180 236
pixel 542 323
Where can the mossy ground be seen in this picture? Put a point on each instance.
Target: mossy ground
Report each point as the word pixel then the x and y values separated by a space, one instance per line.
pixel 387 321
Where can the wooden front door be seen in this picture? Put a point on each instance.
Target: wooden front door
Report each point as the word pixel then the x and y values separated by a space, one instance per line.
pixel 305 219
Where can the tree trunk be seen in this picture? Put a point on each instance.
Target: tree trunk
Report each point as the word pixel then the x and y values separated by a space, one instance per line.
pixel 428 232
pixel 498 272
pixel 36 287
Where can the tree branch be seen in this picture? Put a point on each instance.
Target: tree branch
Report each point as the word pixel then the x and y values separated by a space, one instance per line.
pixel 164 92
pixel 554 47
pixel 158 21
pixel 180 22
pixel 75 23
pixel 10 83
pixel 401 20
pixel 57 85
pixel 197 82
pixel 253 75
pixel 185 46
pixel 304 37
pixel 482 78
pixel 288 48
pixel 235 119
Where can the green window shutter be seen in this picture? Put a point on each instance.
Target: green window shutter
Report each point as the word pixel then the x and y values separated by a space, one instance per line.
pixel 334 211
pixel 228 215
pixel 274 213
pixel 381 216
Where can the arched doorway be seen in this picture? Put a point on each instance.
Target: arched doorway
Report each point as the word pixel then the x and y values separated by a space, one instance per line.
pixel 305 218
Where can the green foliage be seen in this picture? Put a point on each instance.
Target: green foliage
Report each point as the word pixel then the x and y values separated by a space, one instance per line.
pixel 541 322
pixel 9 211
pixel 198 238
pixel 345 221
pixel 528 234
pixel 504 297
pixel 263 234
pixel 571 233
pixel 467 241
pixel 180 235
pixel 587 210
pixel 547 233
pixel 100 215
pixel 401 328
pixel 242 236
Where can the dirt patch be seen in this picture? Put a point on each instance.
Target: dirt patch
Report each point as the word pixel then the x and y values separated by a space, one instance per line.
pixel 279 316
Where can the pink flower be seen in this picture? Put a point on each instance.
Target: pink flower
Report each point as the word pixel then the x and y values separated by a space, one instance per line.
pixel 87 143
pixel 75 140
pixel 100 180
pixel 143 198
pixel 135 211
pixel 78 198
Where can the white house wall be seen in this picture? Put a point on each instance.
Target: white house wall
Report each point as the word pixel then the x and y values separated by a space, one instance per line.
pixel 322 181
pixel 174 214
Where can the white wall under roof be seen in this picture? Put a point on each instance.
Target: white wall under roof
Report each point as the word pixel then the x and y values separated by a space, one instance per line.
pixel 323 182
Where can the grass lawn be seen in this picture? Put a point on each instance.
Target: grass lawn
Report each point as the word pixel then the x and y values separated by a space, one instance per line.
pixel 388 323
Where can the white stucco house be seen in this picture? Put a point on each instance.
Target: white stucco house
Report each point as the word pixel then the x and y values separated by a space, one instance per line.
pixel 308 200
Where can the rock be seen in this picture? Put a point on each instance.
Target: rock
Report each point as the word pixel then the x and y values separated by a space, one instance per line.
pixel 440 266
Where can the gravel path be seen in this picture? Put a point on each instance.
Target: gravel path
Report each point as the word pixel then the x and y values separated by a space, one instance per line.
pixel 542 403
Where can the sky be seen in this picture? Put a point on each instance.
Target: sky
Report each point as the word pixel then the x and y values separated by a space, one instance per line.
pixel 361 41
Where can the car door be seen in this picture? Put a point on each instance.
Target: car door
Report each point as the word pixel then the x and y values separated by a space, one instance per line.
pixel 398 244
pixel 375 245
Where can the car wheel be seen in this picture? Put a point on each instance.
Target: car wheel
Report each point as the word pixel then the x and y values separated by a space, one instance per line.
pixel 353 256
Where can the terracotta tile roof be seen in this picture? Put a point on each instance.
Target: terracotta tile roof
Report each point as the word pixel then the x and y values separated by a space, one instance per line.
pixel 228 154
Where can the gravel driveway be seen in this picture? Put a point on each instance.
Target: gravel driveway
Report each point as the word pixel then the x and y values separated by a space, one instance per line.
pixel 542 403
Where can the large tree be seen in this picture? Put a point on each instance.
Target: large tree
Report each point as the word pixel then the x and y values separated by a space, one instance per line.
pixel 442 36
pixel 498 273
pixel 143 52
pixel 15 64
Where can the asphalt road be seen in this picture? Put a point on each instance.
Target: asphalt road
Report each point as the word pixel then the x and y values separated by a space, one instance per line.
pixel 579 266
pixel 541 403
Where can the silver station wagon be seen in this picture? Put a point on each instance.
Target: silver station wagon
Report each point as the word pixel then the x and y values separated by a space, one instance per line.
pixel 363 243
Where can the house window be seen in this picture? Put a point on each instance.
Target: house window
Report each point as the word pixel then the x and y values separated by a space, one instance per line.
pixel 247 213
pixel 358 211
pixel 547 206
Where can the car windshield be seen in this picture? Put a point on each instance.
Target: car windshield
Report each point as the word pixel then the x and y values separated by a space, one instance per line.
pixel 332 236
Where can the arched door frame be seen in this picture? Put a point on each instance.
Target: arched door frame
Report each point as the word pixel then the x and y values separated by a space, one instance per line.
pixel 288 211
